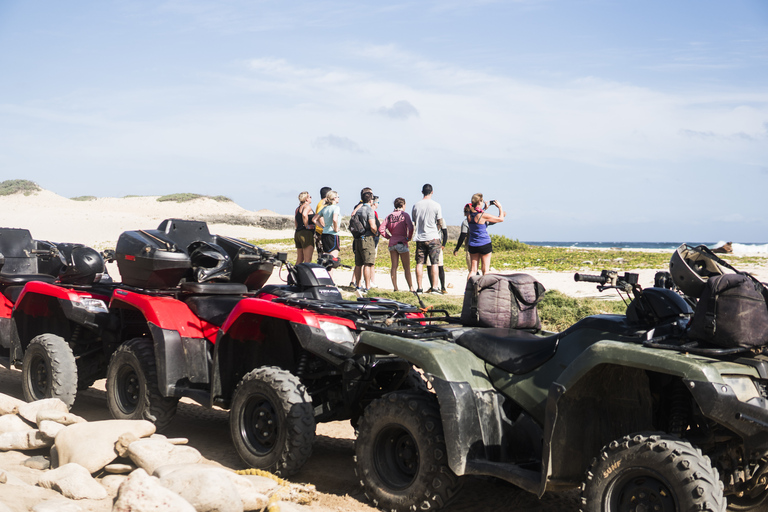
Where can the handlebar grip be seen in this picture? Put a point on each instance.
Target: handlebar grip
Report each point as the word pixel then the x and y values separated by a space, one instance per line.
pixel 590 279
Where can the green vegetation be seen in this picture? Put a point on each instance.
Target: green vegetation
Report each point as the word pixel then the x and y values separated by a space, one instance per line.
pixel 83 198
pixel 9 187
pixel 512 255
pixel 556 310
pixel 188 196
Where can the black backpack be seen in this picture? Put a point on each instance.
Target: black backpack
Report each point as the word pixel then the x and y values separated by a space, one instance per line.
pixel 732 311
pixel 356 226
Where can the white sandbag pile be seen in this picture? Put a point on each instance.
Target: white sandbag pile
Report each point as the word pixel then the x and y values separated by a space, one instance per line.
pixel 122 465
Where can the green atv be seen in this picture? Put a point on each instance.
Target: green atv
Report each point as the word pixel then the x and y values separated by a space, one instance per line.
pixel 622 406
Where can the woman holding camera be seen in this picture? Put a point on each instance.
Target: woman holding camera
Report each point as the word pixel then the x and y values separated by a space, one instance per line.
pixel 478 239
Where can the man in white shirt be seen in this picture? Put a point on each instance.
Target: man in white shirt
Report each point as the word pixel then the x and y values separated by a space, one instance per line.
pixel 427 218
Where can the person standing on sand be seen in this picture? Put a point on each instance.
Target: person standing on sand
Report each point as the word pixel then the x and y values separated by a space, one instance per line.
pixel 304 235
pixel 398 229
pixel 357 273
pixel 363 246
pixel 329 218
pixel 319 229
pixel 478 240
pixel 427 216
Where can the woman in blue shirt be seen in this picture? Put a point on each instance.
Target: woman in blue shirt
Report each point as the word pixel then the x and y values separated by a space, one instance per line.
pixel 478 239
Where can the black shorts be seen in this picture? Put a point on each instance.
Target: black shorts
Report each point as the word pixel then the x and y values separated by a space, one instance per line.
pixel 330 243
pixel 481 249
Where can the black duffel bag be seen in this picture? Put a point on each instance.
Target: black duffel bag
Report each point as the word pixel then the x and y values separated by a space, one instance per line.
pixel 731 312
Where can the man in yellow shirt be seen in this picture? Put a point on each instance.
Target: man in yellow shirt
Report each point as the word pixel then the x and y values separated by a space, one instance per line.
pixel 318 228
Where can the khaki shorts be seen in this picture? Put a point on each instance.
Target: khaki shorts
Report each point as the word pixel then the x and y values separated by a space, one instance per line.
pixel 304 238
pixel 365 251
pixel 429 248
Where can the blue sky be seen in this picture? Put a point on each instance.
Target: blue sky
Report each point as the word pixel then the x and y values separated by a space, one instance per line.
pixel 589 120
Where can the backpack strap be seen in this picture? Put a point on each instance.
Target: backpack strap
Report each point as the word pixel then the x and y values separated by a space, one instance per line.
pixel 706 251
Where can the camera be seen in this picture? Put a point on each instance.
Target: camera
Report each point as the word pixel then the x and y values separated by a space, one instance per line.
pixel 492 202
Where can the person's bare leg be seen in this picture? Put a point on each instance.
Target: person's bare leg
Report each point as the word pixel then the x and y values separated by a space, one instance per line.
pixel 308 254
pixel 474 259
pixel 405 257
pixel 433 271
pixel 393 256
pixel 419 275
pixel 486 263
pixel 367 273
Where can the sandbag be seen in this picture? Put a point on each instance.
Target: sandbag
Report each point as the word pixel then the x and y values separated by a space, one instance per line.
pixel 731 313
pixel 502 300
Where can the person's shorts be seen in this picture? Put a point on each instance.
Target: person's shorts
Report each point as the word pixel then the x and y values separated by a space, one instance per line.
pixel 400 248
pixel 319 241
pixel 304 238
pixel 429 248
pixel 365 251
pixel 330 243
pixel 481 249
pixel 439 261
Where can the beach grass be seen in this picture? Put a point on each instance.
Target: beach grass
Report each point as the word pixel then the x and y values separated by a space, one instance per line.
pixel 187 196
pixel 9 187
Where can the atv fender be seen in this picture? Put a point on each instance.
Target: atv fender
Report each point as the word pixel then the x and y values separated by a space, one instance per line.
pixel 607 387
pixel 470 407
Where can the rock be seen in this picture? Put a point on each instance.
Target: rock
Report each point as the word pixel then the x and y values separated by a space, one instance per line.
pixel 143 493
pixel 73 481
pixel 251 495
pixel 118 469
pixel 121 446
pixel 38 462
pixel 4 507
pixel 150 454
pixel 57 505
pixel 3 477
pixel 111 483
pixel 65 418
pixel 13 423
pixel 9 404
pixel 50 428
pixel 262 484
pixel 175 440
pixel 207 488
pixel 29 440
pixel 92 444
pixel 29 411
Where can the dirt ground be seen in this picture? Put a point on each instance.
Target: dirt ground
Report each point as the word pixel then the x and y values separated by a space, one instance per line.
pixel 330 469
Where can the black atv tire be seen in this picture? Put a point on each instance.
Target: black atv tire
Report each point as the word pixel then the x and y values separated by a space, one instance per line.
pixel 272 421
pixel 49 370
pixel 132 391
pixel 652 471
pixel 400 454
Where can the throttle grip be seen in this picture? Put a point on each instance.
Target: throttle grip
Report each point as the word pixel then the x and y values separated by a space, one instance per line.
pixel 590 279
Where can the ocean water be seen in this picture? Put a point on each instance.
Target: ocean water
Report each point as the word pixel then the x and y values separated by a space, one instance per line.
pixel 739 249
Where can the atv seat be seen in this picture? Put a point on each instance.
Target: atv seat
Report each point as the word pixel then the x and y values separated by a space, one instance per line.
pixel 515 351
pixel 22 279
pixel 214 288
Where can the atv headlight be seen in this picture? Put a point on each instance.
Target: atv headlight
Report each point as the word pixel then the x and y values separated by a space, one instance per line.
pixel 337 332
pixel 742 387
pixel 92 305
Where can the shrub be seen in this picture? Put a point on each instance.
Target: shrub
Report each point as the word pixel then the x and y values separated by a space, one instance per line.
pixel 179 198
pixel 83 198
pixel 9 187
pixel 221 199
pixel 502 243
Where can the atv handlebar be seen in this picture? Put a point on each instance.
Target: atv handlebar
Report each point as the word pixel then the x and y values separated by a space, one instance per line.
pixel 590 279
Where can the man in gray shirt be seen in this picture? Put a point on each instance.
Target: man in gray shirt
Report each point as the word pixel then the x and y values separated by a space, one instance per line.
pixel 364 247
pixel 427 218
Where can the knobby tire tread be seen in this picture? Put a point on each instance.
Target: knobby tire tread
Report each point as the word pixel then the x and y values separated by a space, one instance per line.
pixel 435 484
pixel 62 368
pixel 299 417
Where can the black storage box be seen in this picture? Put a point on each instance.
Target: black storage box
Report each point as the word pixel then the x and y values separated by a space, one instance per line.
pixel 23 255
pixel 149 259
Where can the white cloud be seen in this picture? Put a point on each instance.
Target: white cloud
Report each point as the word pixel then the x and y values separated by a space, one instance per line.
pixel 336 142
pixel 400 110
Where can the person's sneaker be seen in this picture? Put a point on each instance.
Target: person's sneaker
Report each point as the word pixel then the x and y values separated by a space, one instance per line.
pixel 444 291
pixel 419 290
pixel 431 290
pixel 361 292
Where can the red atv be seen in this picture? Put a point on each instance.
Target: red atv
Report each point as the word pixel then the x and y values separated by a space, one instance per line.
pixel 54 321
pixel 197 321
